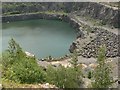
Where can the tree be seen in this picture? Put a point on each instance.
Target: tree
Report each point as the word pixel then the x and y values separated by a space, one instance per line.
pixel 15 50
pixel 77 69
pixel 102 73
pixel 11 55
pixel 89 74
pixel 19 68
pixel 74 60
pixel 69 77
pixel 62 77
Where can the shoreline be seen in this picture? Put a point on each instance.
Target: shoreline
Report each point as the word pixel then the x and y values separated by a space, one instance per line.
pixel 78 25
pixel 48 16
pixel 41 15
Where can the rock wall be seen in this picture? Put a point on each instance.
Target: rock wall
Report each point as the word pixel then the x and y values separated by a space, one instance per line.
pixel 62 17
pixel 99 11
pixel 19 17
pixel 96 10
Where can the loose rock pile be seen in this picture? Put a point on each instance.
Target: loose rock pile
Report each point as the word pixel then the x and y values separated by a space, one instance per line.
pixel 103 37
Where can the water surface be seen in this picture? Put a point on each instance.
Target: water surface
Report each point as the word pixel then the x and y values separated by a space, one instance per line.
pixel 39 37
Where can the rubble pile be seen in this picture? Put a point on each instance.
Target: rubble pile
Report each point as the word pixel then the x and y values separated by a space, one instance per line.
pixel 103 37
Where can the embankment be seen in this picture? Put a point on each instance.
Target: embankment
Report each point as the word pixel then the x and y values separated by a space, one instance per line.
pixel 105 13
pixel 29 16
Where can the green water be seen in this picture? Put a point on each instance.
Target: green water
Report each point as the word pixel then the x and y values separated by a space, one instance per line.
pixel 40 37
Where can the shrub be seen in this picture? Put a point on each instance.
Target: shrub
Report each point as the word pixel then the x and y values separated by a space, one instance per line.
pixel 102 73
pixel 27 71
pixel 89 74
pixel 19 68
pixel 62 77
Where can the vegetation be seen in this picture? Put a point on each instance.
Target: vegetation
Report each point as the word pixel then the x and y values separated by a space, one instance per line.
pixel 102 74
pixel 89 74
pixel 19 69
pixel 62 77
pixel 77 69
pixel 70 77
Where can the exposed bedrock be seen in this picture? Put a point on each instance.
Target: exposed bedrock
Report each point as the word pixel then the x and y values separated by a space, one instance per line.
pixel 19 17
pixel 72 47
pixel 62 17
pixel 108 15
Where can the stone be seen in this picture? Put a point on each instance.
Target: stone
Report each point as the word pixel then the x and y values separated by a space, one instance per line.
pixel 103 37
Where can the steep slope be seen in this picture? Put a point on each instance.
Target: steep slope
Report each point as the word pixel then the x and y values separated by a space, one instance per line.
pixel 108 15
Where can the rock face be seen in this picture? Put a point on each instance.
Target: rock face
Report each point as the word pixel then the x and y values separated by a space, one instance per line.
pixel 98 11
pixel 20 17
pixel 72 47
pixel 108 15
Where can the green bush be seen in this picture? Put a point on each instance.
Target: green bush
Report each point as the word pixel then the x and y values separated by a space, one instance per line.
pixel 70 77
pixel 26 71
pixel 62 77
pixel 19 67
pixel 102 73
pixel 89 74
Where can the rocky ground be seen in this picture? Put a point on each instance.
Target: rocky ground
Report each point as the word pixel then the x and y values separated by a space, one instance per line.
pixel 94 37
pixel 9 85
pixel 87 65
pixel 102 37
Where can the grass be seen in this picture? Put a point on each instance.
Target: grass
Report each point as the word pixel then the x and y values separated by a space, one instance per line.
pixel 11 84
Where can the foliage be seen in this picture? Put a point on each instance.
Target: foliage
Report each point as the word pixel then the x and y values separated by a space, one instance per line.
pixel 89 74
pixel 8 84
pixel 102 73
pixel 22 69
pixel 77 69
pixel 26 71
pixel 62 77
pixel 19 67
pixel 74 60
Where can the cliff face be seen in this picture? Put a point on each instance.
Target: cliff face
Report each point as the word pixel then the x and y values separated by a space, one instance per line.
pixel 108 15
pixel 29 16
pixel 98 11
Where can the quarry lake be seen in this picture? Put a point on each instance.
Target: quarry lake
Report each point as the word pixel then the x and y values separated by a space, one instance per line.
pixel 40 37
